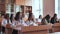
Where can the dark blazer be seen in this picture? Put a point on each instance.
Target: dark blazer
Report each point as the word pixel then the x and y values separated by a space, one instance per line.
pixel 53 20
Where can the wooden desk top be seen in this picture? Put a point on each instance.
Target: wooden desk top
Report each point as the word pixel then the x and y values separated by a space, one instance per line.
pixel 33 28
pixel 56 24
pixel 36 28
pixel 55 33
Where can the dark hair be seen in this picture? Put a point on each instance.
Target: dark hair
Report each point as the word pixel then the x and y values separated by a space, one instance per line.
pixel 39 16
pixel 30 15
pixel 17 16
pixel 43 21
pixel 6 16
pixel 2 14
pixel 55 15
pixel 11 17
pixel 47 17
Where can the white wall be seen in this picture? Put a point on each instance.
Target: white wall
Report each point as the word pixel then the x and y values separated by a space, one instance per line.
pixel 48 7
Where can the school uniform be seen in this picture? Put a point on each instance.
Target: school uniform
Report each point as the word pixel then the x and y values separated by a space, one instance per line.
pixel 44 22
pixel 39 20
pixel 21 21
pixel 31 23
pixel 4 22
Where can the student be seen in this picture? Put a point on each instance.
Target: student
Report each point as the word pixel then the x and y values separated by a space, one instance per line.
pixel 54 19
pixel 5 21
pixel 43 22
pixel 26 16
pixel 39 19
pixel 2 15
pixel 31 20
pixel 12 20
pixel 19 20
pixel 46 20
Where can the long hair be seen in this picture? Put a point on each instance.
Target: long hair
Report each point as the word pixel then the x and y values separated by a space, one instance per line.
pixel 6 16
pixel 11 17
pixel 47 17
pixel 17 16
pixel 55 15
pixel 30 15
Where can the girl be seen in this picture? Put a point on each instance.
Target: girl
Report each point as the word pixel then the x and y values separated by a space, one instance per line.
pixel 31 20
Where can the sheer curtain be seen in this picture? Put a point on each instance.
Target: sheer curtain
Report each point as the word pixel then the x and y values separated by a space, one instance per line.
pixel 37 7
pixel 8 8
pixel 57 8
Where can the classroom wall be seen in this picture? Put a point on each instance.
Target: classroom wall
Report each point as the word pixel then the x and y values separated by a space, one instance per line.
pixel 28 2
pixel 48 7
pixel 2 6
pixel 24 2
pixel 19 2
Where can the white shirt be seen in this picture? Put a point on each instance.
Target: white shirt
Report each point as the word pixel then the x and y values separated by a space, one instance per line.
pixel 13 23
pixel 20 22
pixel 4 22
pixel 31 23
pixel 39 20
pixel 23 23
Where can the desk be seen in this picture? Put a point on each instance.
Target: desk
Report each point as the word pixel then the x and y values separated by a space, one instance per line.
pixel 8 29
pixel 42 29
pixel 56 27
pixel 55 33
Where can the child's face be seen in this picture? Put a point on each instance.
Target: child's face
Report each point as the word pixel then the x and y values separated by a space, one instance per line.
pixel 20 15
pixel 31 17
pixel 3 16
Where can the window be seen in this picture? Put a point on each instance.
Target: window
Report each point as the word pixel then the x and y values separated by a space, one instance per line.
pixel 8 8
pixel 37 7
pixel 57 8
pixel 18 8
